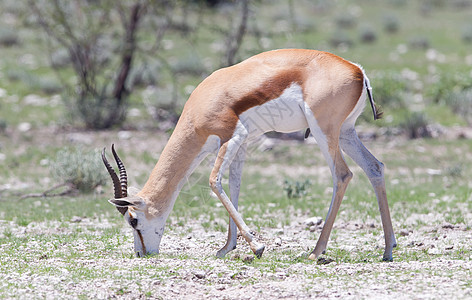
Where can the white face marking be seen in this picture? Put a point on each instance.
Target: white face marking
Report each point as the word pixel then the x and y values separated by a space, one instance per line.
pixel 283 114
pixel 147 233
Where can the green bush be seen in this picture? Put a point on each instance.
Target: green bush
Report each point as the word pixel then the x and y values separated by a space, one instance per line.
pixel 8 37
pixel 296 189
pixel 367 34
pixel 389 90
pixel 416 125
pixel 82 169
pixel 460 102
pixel 391 24
pixel 467 34
pixel 447 83
pixel 340 38
pixel 345 20
pixel 95 111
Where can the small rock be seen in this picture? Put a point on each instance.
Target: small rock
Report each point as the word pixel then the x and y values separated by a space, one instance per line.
pixel 235 256
pixel 76 219
pixel 247 258
pixel 124 135
pixel 199 274
pixel 324 261
pixel 447 226
pixel 449 247
pixel 404 232
pixel 313 228
pixel 278 242
pixel 301 255
pixel 24 127
pixel 313 221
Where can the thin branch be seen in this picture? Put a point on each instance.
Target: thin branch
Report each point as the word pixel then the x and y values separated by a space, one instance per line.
pixel 49 192
pixel 234 41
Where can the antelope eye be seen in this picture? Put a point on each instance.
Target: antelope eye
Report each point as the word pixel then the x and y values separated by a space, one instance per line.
pixel 133 222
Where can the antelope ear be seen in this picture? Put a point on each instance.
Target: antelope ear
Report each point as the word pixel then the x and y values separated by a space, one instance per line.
pixel 120 203
pixel 127 202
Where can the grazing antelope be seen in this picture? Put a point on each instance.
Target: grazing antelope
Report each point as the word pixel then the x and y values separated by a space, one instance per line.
pixel 282 90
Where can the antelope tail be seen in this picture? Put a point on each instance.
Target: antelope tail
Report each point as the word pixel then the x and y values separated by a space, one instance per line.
pixel 375 110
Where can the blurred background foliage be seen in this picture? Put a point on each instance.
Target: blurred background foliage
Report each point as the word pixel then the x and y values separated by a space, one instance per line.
pixel 133 63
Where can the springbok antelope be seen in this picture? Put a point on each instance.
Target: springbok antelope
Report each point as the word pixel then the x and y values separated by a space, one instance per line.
pixel 281 90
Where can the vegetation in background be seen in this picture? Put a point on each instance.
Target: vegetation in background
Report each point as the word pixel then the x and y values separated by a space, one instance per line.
pixel 80 169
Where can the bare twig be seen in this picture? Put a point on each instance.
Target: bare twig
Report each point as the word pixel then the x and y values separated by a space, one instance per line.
pixel 49 192
pixel 235 40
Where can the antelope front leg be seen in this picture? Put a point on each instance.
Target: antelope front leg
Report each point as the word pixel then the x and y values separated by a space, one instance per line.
pixel 225 155
pixel 235 173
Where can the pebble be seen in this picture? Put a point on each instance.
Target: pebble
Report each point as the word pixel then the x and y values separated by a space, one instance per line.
pixel 313 221
pixel 199 274
pixel 247 258
pixel 278 242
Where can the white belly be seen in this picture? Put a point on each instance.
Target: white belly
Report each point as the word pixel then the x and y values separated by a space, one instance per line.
pixel 283 114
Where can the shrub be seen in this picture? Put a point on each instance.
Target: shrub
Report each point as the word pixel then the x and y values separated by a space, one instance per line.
pixel 467 34
pixel 60 59
pixel 50 86
pixel 95 110
pixel 340 38
pixel 367 34
pixel 390 23
pixel 419 42
pixel 144 75
pixel 345 20
pixel 79 168
pixel 389 90
pixel 296 189
pixel 8 37
pixel 460 102
pixel 190 64
pixel 416 125
pixel 447 83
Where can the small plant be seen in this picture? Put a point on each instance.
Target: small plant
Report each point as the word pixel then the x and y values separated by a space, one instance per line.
pixel 419 42
pixel 389 90
pixel 340 39
pixel 345 20
pixel 467 34
pixel 460 102
pixel 97 110
pixel 8 37
pixel 391 23
pixel 80 169
pixel 367 34
pixel 447 83
pixel 296 189
pixel 417 125
pixel 189 64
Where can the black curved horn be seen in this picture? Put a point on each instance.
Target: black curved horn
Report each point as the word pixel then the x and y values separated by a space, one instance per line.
pixel 123 176
pixel 116 182
pixel 114 177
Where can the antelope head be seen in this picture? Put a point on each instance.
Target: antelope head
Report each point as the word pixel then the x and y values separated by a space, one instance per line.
pixel 147 230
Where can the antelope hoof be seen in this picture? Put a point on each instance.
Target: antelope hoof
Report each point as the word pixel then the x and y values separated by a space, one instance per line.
pixel 314 255
pixel 387 258
pixel 258 250
pixel 223 251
